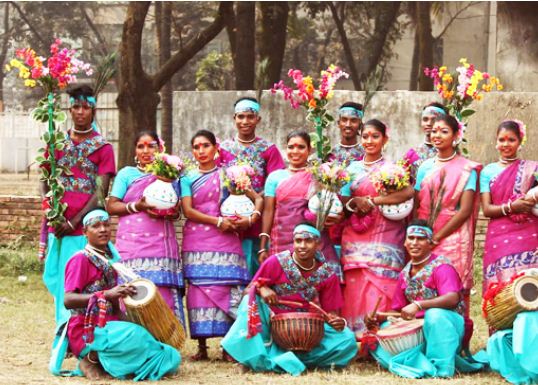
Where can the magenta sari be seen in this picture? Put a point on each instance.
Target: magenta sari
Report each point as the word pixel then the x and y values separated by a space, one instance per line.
pixel 458 247
pixel 371 258
pixel 149 247
pixel 291 203
pixel 511 241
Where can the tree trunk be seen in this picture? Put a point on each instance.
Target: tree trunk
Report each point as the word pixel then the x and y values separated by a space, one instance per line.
pixel 3 53
pixel 413 78
pixel 245 57
pixel 164 23
pixel 425 44
pixel 273 38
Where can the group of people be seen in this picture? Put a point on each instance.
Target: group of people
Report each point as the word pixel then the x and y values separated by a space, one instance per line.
pixel 237 272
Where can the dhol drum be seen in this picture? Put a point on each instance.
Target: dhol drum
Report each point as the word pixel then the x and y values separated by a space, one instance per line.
pixel 401 335
pixel 148 309
pixel 518 296
pixel 297 331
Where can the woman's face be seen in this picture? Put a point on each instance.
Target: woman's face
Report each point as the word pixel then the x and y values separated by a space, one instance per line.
pixel 203 150
pixel 442 136
pixel 507 144
pixel 426 123
pixel 297 151
pixel 145 149
pixel 372 140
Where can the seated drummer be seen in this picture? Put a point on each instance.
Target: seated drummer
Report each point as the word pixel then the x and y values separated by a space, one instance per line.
pixel 299 276
pixel 105 345
pixel 428 287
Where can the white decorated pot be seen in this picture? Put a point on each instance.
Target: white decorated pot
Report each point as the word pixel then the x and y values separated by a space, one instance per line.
pixel 239 205
pixel 531 194
pixel 328 198
pixel 397 212
pixel 161 195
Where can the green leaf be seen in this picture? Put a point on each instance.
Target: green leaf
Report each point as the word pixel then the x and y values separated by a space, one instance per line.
pixel 59 117
pixel 467 113
pixel 40 159
pixel 46 137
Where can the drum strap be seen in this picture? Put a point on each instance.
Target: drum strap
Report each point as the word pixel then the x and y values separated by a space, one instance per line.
pixel 98 299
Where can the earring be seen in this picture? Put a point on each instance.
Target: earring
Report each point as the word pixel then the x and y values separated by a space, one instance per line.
pixel 137 162
pixel 497 147
pixel 454 143
pixel 217 154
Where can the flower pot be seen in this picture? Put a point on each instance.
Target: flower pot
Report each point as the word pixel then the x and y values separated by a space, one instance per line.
pixel 325 198
pixel 161 195
pixel 397 212
pixel 237 205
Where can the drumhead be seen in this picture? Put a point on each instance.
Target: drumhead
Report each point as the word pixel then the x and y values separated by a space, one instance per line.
pixel 401 328
pixel 526 292
pixel 145 291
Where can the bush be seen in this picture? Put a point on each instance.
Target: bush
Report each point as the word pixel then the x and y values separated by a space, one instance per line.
pixel 14 262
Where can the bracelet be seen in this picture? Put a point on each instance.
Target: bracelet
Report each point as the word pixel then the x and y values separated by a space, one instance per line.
pixel 250 221
pixel 349 208
pixel 70 224
pixel 257 212
pixel 91 361
pixel 534 197
pixel 128 208
pixel 219 221
pixel 435 242
pixel 509 207
pixel 133 207
pixel 261 251
pixel 418 305
pixel 502 209
pixel 370 201
pixel 264 235
pixel 345 322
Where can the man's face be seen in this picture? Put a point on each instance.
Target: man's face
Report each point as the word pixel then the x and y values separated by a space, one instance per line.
pixel 81 113
pixel 98 234
pixel 305 248
pixel 417 247
pixel 349 126
pixel 246 123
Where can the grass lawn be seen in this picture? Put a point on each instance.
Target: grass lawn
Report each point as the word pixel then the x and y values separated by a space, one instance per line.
pixel 26 316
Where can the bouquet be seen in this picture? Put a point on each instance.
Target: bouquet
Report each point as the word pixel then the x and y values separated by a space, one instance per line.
pixel 314 100
pixel 461 88
pixel 330 178
pixel 389 178
pixel 52 74
pixel 237 178
pixel 166 166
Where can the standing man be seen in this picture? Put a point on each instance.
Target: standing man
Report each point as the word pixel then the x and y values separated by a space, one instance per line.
pixel 88 155
pixel 262 155
pixel 349 149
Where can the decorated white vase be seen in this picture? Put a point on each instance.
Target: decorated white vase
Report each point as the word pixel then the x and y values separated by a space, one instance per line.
pixel 237 205
pixel 531 193
pixel 329 198
pixel 397 212
pixel 161 195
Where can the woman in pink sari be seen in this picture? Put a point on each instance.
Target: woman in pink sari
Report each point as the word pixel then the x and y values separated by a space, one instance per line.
pixel 286 202
pixel 451 180
pixel 512 236
pixel 372 245
pixel 146 242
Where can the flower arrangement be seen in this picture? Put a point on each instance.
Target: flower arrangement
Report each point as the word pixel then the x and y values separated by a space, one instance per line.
pixel 331 176
pixel 166 166
pixel 51 74
pixel 237 178
pixel 390 177
pixel 461 88
pixel 314 100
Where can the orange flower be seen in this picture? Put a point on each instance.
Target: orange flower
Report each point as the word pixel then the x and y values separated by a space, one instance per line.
pixel 312 103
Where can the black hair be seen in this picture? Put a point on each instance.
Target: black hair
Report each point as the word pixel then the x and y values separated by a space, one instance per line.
pixel 420 222
pixel 246 98
pixel 435 104
pixel 378 125
pixel 206 134
pixel 357 106
pixel 80 91
pixel 510 125
pixel 305 223
pixel 451 122
pixel 300 134
pixel 153 134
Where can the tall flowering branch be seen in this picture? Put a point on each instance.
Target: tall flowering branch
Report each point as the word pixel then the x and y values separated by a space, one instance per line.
pixel 461 88
pixel 314 100
pixel 52 74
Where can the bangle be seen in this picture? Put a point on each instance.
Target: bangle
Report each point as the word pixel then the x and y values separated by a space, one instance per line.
pixel 219 221
pixel 509 207
pixel 91 361
pixel 261 251
pixel 418 305
pixel 502 210
pixel 534 197
pixel 345 322
pixel 128 208
pixel 133 207
pixel 349 208
pixel 257 212
pixel 435 242
pixel 264 235
pixel 70 224
pixel 250 221
pixel 370 201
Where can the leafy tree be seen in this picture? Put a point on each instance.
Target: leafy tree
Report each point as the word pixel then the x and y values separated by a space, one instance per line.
pixel 214 71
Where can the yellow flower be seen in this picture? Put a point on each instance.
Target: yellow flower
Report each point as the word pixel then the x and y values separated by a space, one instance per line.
pixel 7 68
pixel 500 87
pixel 30 83
pixel 443 69
pixel 447 78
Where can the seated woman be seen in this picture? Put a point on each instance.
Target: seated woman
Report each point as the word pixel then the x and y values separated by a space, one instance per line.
pixel 103 343
pixel 428 287
pixel 300 276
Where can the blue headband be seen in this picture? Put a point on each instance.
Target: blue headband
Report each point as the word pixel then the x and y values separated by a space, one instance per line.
pixel 247 105
pixel 95 216
pixel 306 231
pixel 88 99
pixel 420 231
pixel 432 110
pixel 351 112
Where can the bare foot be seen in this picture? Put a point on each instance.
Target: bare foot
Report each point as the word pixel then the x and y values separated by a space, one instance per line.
pixel 92 371
pixel 201 354
pixel 227 357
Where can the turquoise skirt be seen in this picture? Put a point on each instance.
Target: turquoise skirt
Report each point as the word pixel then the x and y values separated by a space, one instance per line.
pixel 260 353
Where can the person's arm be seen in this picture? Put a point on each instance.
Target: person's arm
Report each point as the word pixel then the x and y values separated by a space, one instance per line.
pixel 243 223
pixel 197 216
pixel 395 197
pixel 75 300
pixel 465 211
pixel 447 301
pixel 267 224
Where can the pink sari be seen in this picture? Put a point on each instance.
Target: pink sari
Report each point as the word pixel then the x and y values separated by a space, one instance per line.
pixel 458 247
pixel 511 241
pixel 371 259
pixel 292 196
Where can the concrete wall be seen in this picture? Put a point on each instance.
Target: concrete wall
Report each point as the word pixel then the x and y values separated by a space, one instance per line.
pixel 399 109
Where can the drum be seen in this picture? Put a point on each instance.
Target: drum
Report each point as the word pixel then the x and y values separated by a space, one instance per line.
pixel 148 309
pixel 299 332
pixel 516 297
pixel 401 335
